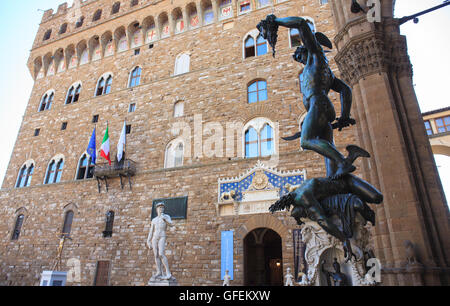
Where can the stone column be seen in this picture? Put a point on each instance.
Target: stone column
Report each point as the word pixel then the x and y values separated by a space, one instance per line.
pixel 199 13
pixel 185 19
pixel 215 7
pixel 373 59
pixel 171 25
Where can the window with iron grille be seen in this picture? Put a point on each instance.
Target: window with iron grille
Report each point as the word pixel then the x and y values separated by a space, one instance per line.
pixel 68 220
pixel 109 224
pixel 18 227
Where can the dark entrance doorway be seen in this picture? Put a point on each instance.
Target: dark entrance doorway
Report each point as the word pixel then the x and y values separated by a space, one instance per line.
pixel 263 265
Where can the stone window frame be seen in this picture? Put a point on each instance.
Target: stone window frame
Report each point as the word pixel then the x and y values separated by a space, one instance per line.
pixel 24 173
pixel 257 90
pixel 88 166
pixel 238 9
pixel 109 224
pixel 63 28
pixel 177 113
pixel 180 66
pixel 106 76
pixel 47 35
pixel 19 212
pixel 253 34
pixel 258 124
pixel 76 88
pixel 56 161
pixel 115 8
pixel 66 229
pixel 131 77
pixel 175 143
pixel 47 95
pixel 97 15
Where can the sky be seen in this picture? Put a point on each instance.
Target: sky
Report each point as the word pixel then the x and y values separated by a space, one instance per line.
pixel 428 47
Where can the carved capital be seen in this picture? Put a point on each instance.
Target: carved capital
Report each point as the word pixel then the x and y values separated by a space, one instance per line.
pixel 372 53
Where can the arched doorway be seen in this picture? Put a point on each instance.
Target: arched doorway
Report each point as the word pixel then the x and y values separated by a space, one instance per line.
pixel 263 265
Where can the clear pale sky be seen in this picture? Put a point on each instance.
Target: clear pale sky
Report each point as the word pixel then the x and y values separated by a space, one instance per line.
pixel 428 46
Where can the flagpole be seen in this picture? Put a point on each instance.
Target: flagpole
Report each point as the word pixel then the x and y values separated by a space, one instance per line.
pixel 125 124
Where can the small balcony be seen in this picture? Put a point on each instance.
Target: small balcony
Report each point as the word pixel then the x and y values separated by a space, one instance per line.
pixel 124 169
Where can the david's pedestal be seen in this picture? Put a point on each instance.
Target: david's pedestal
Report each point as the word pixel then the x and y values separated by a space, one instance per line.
pixel 157 282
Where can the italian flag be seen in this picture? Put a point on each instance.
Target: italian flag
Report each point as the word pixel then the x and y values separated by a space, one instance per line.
pixel 104 152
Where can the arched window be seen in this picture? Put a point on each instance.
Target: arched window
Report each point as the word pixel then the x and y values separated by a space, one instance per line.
pixel 79 22
pixel 18 227
pixel 266 137
pixel 182 64
pixel 255 49
pixel 134 2
pixel 104 85
pixel 67 227
pixel 249 47
pixel 85 168
pixel 54 171
pixel 46 101
pixel 178 110
pixel 63 29
pixel 251 143
pixel 135 77
pixel 47 35
pixel 109 224
pixel 174 154
pixel 73 95
pixel 97 15
pixel 115 8
pixel 257 91
pixel 259 138
pixel 25 175
pixel 108 85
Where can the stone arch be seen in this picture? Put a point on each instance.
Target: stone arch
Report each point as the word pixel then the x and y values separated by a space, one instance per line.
pixel 71 57
pixel 135 34
pixel 107 44
pixel 120 37
pixel 163 25
pixel 178 20
pixel 262 221
pixel 37 68
pixel 94 47
pixel 150 29
pixel 71 206
pixel 59 60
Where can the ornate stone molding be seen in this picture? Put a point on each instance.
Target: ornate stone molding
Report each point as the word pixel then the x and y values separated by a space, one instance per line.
pixel 255 190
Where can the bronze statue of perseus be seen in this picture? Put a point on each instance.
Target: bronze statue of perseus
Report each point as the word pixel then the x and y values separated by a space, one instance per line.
pixel 341 193
pixel 316 81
